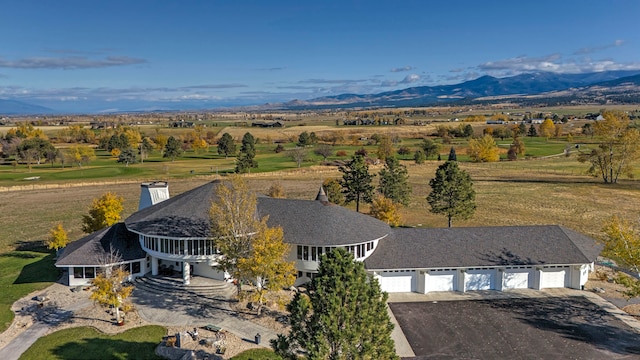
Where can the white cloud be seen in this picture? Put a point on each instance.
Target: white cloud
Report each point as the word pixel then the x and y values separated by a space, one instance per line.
pixel 402 69
pixel 69 62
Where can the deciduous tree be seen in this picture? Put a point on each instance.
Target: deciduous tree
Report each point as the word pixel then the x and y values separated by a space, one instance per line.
pixel 394 182
pixel 419 157
pixel 333 189
pixel 547 128
pixel 618 149
pixel 385 148
pixel 344 317
pixel 323 150
pixel 483 149
pixel 108 287
pixel 266 265
pixel 298 155
pixel 233 223
pixel 430 147
pixel 622 244
pixel 356 181
pixel 276 190
pixel 384 209
pixel 104 211
pixel 58 238
pixel 452 192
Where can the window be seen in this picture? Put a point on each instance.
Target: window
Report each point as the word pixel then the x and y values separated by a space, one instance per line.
pixel 313 253
pixel 89 272
pixel 305 252
pixel 327 250
pixel 127 267
pixel 300 274
pixel 369 246
pixel 135 267
pixel 78 272
pixel 299 252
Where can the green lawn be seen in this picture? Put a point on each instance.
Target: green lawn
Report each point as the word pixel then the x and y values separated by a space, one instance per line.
pixel 23 272
pixel 88 343
pixel 257 354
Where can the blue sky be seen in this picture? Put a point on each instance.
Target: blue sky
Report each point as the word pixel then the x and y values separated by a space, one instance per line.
pixel 134 54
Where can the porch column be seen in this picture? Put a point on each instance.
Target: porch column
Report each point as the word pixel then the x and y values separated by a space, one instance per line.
pixel 186 273
pixel 154 266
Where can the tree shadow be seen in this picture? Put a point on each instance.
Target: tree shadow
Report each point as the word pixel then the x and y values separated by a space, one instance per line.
pixel 574 318
pixel 507 257
pixel 99 348
pixel 42 270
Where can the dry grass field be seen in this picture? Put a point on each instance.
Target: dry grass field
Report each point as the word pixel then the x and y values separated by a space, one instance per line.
pixel 506 195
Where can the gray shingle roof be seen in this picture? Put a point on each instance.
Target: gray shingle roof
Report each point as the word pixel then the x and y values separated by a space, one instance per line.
pixel 482 246
pixel 89 249
pixel 305 222
pixel 314 222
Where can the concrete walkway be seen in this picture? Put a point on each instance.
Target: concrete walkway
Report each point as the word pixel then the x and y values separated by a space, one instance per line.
pixel 171 309
pixel 39 328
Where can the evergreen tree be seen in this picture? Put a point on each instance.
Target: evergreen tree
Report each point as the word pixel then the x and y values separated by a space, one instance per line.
pixel 452 155
pixel 356 181
pixel 226 145
pixel 246 160
pixel 522 128
pixel 173 149
pixel 394 182
pixel 532 131
pixel 304 139
pixel 127 156
pixel 452 192
pixel 344 317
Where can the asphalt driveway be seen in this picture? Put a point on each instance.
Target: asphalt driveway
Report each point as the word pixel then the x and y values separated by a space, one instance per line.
pixel 538 328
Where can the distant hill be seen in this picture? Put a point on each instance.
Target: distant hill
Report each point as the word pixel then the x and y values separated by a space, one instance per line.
pixel 13 107
pixel 485 88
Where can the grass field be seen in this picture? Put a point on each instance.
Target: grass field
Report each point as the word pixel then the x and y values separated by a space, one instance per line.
pixel 88 343
pixel 257 354
pixel 23 272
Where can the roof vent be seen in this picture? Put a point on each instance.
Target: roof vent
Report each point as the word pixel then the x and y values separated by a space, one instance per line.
pixel 322 196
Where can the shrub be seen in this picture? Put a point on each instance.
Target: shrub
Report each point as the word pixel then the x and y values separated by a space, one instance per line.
pixel 403 150
pixel 341 153
pixel 279 148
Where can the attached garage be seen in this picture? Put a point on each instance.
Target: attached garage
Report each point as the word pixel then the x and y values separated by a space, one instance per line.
pixel 479 279
pixel 554 277
pixel 441 280
pixel 517 278
pixel 397 281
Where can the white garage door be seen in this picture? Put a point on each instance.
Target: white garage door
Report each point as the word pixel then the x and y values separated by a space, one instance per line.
pixel 479 280
pixel 401 281
pixel 553 278
pixel 440 281
pixel 516 279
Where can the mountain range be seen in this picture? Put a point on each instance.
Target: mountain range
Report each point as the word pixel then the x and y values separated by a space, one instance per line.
pixel 528 89
pixel 554 87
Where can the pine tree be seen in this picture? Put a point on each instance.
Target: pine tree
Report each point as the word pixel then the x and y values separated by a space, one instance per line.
pixel 344 317
pixel 452 155
pixel 172 149
pixel 226 145
pixel 356 181
pixel 452 192
pixel 532 131
pixel 246 160
pixel 394 182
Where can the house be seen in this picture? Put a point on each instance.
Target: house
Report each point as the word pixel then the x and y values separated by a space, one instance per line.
pixel 172 235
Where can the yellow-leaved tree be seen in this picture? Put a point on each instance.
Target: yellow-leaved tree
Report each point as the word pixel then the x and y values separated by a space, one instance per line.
pixel 385 210
pixel 276 190
pixel 266 266
pixel 483 149
pixel 547 128
pixel 108 287
pixel 104 211
pixel 233 223
pixel 58 238
pixel 622 244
